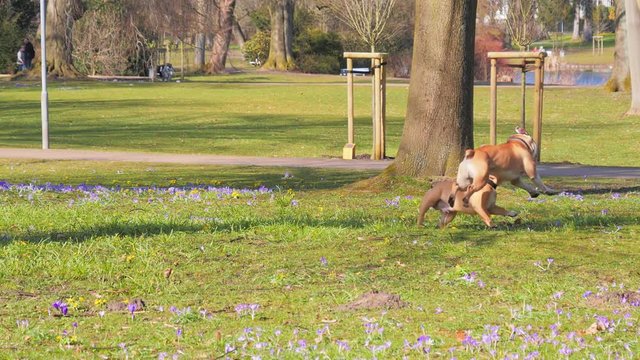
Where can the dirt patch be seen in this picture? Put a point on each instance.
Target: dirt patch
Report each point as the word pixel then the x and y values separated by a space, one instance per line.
pixel 614 299
pixel 375 300
pixel 118 306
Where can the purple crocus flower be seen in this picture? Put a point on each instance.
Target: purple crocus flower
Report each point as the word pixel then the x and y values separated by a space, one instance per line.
pixel 323 261
pixel 343 345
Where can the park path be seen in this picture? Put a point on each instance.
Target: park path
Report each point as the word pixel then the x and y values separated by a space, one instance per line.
pixel 335 163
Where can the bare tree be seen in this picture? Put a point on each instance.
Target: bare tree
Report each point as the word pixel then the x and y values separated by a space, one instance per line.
pixel 103 42
pixel 633 45
pixel 368 18
pixel 439 122
pixel 521 22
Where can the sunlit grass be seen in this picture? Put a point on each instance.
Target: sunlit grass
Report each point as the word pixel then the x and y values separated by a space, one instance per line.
pixel 209 116
pixel 296 254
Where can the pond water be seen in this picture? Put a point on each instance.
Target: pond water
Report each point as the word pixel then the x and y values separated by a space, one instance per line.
pixel 569 77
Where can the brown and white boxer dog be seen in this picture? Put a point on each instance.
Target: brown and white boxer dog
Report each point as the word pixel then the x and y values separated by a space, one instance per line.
pixel 444 197
pixel 510 161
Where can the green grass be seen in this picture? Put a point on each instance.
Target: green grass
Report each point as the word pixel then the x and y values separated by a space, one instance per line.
pixel 98 251
pixel 580 52
pixel 232 115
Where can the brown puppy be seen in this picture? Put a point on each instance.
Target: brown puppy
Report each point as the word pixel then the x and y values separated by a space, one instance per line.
pixel 444 197
pixel 507 162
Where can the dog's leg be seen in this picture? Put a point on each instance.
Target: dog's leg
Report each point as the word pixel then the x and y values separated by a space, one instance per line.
pixel 545 189
pixel 485 217
pixel 532 173
pixel 528 188
pixel 446 218
pixel 430 200
pixel 443 206
pixel 497 210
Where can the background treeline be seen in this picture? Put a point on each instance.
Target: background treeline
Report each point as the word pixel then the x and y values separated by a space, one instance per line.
pixel 129 37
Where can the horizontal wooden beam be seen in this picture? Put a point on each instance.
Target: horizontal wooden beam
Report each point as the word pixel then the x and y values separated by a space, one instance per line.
pixel 364 55
pixel 516 55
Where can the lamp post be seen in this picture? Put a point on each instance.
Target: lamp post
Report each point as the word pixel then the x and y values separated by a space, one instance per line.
pixel 44 100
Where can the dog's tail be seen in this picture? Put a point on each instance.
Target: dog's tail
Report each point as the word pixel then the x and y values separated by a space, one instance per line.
pixel 468 154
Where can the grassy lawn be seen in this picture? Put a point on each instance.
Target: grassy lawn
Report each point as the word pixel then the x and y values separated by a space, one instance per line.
pixel 235 115
pixel 579 52
pixel 271 262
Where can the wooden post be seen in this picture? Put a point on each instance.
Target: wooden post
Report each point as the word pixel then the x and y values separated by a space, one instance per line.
pixel 377 155
pixel 537 109
pixel 523 85
pixel 383 90
pixel 493 114
pixel 349 150
pixel 181 60
pixel 378 105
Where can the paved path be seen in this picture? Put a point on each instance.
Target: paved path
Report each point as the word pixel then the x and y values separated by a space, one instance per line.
pixel 91 155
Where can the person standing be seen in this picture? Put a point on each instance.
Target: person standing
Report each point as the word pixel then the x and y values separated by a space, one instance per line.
pixel 21 57
pixel 29 54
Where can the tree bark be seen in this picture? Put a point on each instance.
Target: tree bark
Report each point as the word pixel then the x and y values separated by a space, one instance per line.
pixel 238 34
pixel 439 121
pixel 620 71
pixel 223 36
pixel 587 31
pixel 201 42
pixel 632 8
pixel 280 49
pixel 201 37
pixel 61 16
pixel 576 21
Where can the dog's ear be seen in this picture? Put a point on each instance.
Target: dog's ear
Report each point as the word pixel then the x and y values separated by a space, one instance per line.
pixel 468 154
pixel 521 131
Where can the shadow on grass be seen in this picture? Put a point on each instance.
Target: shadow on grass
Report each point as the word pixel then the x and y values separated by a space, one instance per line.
pixel 464 232
pixel 153 228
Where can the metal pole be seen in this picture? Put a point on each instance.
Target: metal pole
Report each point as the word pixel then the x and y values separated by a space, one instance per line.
pixel 44 100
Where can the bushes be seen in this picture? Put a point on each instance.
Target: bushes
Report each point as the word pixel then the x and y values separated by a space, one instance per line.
pixel 318 52
pixel 103 43
pixel 257 47
pixel 15 23
pixel 488 38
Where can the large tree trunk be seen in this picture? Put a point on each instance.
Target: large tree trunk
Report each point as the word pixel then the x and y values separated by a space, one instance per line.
pixel 201 37
pixel 439 121
pixel 620 71
pixel 223 36
pixel 201 43
pixel 61 16
pixel 576 21
pixel 280 49
pixel 587 31
pixel 633 46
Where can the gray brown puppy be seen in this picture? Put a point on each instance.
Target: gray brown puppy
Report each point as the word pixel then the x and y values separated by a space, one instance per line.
pixel 444 196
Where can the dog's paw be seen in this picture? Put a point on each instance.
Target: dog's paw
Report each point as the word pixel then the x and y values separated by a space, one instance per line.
pixel 512 213
pixel 534 195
